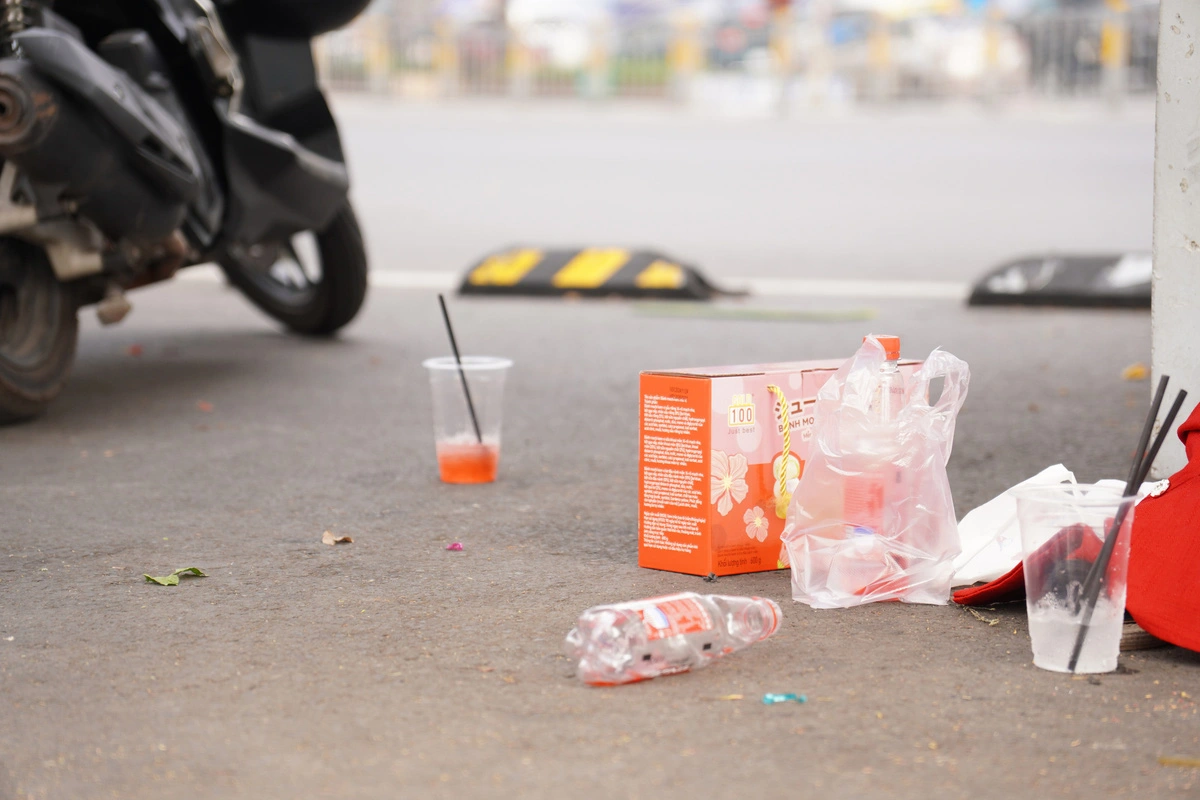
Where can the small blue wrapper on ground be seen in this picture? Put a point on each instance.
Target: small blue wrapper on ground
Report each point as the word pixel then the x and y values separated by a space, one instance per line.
pixel 771 699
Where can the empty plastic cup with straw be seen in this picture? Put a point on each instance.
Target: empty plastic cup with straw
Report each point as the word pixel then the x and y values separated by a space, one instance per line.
pixel 468 402
pixel 1063 531
pixel 1075 564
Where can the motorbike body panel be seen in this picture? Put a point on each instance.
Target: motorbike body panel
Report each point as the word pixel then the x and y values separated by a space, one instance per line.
pixel 278 187
pixel 159 146
pixel 299 19
pixel 143 143
pixel 283 154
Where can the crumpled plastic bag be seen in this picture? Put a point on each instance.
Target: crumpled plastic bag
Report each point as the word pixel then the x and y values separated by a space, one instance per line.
pixel 872 518
pixel 991 539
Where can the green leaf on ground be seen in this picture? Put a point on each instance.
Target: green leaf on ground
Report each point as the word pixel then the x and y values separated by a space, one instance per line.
pixel 173 578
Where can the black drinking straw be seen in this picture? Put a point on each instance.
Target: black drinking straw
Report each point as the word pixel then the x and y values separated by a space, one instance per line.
pixel 458 362
pixel 1142 462
pixel 1168 423
pixel 1139 455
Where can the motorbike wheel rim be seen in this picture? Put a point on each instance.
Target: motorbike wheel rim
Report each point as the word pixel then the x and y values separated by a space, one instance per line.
pixel 31 308
pixel 293 279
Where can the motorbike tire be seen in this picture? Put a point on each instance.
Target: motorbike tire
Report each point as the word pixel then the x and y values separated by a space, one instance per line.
pixel 38 331
pixel 326 306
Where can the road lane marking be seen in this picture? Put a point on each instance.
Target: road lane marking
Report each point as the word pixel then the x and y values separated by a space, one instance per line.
pixel 758 287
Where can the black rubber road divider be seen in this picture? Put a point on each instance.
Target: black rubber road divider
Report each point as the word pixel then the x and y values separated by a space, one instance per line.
pixel 1102 281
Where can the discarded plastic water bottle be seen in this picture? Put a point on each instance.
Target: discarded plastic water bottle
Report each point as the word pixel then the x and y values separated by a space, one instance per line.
pixel 870 486
pixel 629 642
pixel 874 486
pixel 888 397
pixel 861 565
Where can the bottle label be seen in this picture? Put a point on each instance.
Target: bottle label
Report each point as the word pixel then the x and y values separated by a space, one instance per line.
pixel 864 501
pixel 673 615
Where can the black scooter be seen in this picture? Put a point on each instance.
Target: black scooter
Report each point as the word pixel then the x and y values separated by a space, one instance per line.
pixel 138 137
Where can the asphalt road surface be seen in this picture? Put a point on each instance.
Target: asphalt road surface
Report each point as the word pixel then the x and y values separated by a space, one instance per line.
pixel 931 195
pixel 391 667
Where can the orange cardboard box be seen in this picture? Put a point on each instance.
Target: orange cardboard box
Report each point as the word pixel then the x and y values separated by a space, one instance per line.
pixel 711 458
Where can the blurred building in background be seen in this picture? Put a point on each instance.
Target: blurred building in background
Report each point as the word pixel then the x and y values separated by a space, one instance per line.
pixel 762 53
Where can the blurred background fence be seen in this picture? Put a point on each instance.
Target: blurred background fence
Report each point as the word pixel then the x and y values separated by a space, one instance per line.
pixel 767 51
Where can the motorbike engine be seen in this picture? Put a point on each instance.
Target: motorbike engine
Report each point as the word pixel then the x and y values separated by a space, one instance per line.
pixel 103 151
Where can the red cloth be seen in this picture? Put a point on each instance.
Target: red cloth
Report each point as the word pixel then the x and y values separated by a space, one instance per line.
pixel 1164 555
pixel 1163 592
pixel 1080 542
pixel 1008 587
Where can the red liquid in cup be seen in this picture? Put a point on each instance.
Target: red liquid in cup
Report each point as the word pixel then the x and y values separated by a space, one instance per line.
pixel 468 463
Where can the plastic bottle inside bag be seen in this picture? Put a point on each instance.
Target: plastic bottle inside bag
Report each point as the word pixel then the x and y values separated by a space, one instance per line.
pixel 874 487
pixel 889 395
pixel 628 642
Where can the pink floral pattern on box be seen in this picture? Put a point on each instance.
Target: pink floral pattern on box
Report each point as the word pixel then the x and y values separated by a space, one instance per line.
pixel 728 480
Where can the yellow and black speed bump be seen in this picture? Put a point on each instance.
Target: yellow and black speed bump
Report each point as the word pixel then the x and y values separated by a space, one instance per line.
pixel 593 271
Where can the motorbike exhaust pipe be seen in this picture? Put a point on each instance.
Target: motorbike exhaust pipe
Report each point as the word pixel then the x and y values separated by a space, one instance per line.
pixel 19 115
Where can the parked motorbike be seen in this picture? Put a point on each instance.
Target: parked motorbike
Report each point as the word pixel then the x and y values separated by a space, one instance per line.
pixel 139 137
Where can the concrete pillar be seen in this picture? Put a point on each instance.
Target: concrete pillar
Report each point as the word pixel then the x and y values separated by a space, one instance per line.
pixel 819 51
pixel 597 79
pixel 320 51
pixel 992 30
pixel 446 56
pixel 377 54
pixel 1114 51
pixel 782 36
pixel 1175 313
pixel 520 65
pixel 685 55
pixel 879 59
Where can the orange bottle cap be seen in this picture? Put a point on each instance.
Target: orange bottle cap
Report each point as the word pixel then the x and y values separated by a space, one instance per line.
pixel 891 344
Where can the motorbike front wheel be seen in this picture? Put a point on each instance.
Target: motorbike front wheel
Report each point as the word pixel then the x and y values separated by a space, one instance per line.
pixel 314 284
pixel 38 331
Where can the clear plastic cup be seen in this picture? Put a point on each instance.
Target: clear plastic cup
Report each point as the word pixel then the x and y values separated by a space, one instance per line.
pixel 1063 529
pixel 462 457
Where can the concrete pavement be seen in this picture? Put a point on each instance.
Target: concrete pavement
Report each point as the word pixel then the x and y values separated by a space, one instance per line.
pixel 393 668
pixel 909 193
